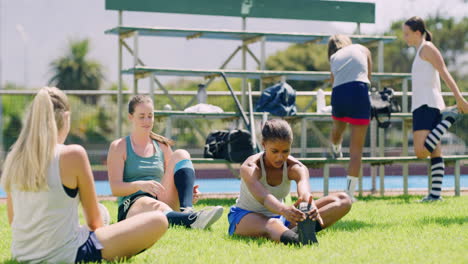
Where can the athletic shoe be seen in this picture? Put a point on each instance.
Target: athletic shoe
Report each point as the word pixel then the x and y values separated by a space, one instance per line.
pixel 104 214
pixel 332 154
pixel 306 228
pixel 430 198
pixel 452 112
pixel 187 210
pixel 206 217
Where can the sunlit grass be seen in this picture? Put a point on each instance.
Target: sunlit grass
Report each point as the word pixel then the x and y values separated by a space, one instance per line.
pixel 377 230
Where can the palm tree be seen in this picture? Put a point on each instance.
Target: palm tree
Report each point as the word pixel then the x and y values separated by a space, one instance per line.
pixel 75 72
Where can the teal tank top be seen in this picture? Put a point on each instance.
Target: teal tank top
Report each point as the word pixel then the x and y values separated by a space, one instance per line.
pixel 137 168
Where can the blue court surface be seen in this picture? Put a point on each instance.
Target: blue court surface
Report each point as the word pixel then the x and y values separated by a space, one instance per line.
pixel 335 183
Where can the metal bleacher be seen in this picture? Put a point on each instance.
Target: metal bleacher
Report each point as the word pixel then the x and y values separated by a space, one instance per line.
pixel 352 12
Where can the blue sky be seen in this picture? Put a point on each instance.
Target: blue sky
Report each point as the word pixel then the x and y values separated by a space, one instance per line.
pixel 34 32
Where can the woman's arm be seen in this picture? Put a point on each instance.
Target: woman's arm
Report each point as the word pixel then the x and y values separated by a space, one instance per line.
pixel 75 160
pixel 115 170
pixel 250 173
pixel 9 209
pixel 431 54
pixel 369 64
pixel 300 174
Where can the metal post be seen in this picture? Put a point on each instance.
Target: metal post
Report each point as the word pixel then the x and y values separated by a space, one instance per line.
pixel 456 175
pixel 151 80
pixel 244 64
pixel 373 145
pixel 381 131
pixel 404 99
pixel 119 82
pixel 405 153
pixel 382 167
pixel 380 54
pixel 135 62
pixel 168 128
pixel 326 175
pixel 360 181
pixel 303 138
pixel 262 58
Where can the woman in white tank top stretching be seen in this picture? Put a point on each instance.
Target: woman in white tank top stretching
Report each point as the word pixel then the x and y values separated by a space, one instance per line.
pixel 265 182
pixel 42 179
pixel 430 117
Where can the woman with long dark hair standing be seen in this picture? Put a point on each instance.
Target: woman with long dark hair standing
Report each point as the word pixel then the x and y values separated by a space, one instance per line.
pixel 431 119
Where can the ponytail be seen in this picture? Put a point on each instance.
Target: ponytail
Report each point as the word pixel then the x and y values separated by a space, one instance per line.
pixel 428 35
pixel 417 24
pixel 162 139
pixel 26 165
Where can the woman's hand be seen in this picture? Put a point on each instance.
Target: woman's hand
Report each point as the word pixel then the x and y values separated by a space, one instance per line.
pixel 293 215
pixel 152 187
pixel 462 106
pixel 314 213
pixel 196 194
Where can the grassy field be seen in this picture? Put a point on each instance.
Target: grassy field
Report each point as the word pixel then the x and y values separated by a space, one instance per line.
pixel 377 230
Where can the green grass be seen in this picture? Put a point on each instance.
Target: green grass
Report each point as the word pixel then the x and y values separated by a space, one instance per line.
pixel 377 230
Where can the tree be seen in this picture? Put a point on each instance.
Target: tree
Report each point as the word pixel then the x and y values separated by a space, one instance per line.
pixel 448 35
pixel 74 71
pixel 300 57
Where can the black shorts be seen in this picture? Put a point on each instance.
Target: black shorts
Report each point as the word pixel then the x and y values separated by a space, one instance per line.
pixel 426 118
pixel 127 204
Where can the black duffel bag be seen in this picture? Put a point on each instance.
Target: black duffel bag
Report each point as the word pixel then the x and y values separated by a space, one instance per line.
pixel 231 145
pixel 383 104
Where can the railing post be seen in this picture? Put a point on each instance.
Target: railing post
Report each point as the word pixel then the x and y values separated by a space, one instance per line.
pixel 135 62
pixel 381 167
pixel 303 138
pixel 456 175
pixel 360 181
pixel 405 153
pixel 326 174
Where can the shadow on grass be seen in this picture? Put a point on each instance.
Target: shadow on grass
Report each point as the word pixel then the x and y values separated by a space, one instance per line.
pixel 445 221
pixel 250 240
pixel 354 225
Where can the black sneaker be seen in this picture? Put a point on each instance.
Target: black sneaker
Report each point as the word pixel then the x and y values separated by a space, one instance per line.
pixel 306 229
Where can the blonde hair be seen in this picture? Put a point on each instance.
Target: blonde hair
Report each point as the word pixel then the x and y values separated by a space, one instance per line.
pixel 337 42
pixel 139 99
pixel 26 165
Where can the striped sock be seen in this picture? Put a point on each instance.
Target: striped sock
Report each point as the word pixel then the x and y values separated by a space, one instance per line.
pixel 436 134
pixel 437 176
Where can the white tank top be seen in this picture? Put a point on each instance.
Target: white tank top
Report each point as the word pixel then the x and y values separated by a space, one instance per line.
pixel 45 225
pixel 349 64
pixel 426 83
pixel 248 202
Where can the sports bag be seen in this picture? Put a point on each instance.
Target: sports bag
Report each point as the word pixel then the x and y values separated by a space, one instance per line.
pixel 383 105
pixel 279 100
pixel 231 145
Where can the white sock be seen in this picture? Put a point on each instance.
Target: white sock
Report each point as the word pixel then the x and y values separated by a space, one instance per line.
pixel 351 186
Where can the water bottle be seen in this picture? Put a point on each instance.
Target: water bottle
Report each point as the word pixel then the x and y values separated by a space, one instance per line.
pixel 320 100
pixel 202 95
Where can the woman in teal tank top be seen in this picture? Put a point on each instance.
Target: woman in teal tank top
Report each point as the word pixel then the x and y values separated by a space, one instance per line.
pixel 147 175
